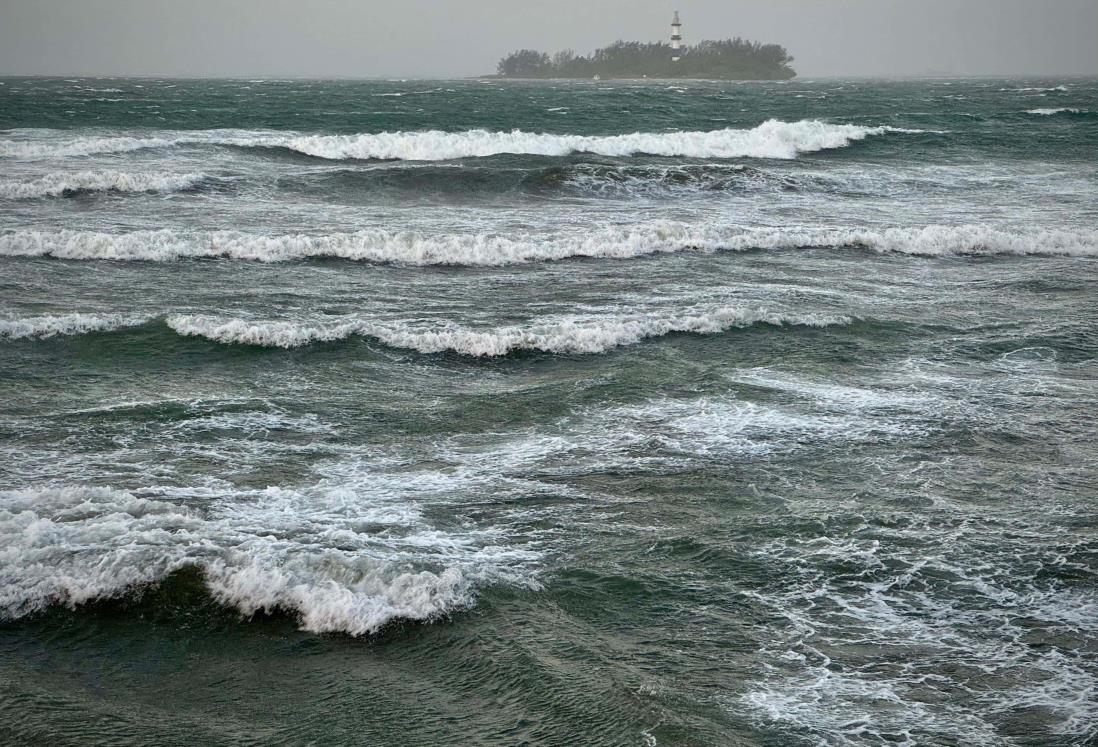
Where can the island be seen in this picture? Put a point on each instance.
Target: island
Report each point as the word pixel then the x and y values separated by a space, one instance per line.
pixel 728 59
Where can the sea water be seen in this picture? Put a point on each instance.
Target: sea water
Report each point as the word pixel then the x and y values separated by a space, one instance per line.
pixel 481 412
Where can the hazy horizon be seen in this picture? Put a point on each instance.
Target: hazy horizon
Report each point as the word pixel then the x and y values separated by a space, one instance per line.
pixel 432 39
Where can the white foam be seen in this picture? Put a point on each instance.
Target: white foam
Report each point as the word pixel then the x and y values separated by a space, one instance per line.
pixel 716 427
pixel 306 553
pixel 60 183
pixel 489 249
pixel 576 335
pixel 79 146
pixel 648 180
pixel 663 432
pixel 272 334
pixel 49 537
pixel 65 324
pixel 377 245
pixel 977 240
pixel 771 139
pixel 838 396
pixel 564 335
pixel 869 616
pixel 358 597
pixel 317 551
pixel 1058 110
pixel 1037 89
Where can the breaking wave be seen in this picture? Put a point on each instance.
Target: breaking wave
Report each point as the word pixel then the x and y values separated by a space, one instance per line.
pixel 41 327
pixel 575 335
pixel 74 545
pixel 771 139
pixel 974 240
pixel 81 146
pixel 66 184
pixel 490 249
pixel 567 336
pixel 404 247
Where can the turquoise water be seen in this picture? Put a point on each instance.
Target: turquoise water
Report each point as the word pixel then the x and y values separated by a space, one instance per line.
pixel 480 412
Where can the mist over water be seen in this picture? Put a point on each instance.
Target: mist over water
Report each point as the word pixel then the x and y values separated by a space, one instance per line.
pixel 595 412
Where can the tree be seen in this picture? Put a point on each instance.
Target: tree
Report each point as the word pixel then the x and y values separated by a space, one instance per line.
pixel 526 63
pixel 563 59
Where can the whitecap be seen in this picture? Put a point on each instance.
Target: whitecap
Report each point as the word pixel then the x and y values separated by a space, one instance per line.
pixel 303 552
pixel 569 335
pixel 490 249
pixel 56 184
pixel 1058 110
pixel 771 139
pixel 40 327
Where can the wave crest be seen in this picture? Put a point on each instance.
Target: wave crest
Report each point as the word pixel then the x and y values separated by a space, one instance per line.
pixel 63 184
pixel 41 327
pixel 357 598
pixel 375 245
pixel 81 146
pixel 771 139
pixel 74 545
pixel 488 249
pixel 564 336
pixel 932 241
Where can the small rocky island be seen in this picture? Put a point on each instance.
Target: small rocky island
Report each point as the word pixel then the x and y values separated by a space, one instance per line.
pixel 727 59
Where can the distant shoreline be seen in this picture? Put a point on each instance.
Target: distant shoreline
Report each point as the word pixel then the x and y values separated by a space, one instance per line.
pixel 640 78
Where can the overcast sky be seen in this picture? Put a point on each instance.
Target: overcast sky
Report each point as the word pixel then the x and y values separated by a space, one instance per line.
pixel 453 38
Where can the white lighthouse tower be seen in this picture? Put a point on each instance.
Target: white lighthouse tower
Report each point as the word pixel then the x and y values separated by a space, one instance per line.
pixel 676 38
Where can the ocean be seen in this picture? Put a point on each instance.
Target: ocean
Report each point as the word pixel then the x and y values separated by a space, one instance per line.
pixel 587 413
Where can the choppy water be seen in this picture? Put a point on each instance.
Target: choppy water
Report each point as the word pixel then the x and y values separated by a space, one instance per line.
pixel 555 413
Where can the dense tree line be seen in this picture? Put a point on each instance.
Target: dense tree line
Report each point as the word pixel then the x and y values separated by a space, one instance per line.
pixel 728 59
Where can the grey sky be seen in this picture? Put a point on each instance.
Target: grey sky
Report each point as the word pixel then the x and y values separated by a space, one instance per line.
pixel 446 38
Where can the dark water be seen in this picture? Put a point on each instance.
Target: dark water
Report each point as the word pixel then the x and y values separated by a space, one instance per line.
pixel 555 413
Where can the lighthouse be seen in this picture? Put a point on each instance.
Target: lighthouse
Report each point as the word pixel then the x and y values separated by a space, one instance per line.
pixel 676 38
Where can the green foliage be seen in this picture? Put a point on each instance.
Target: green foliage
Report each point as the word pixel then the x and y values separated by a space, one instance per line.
pixel 525 63
pixel 728 59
